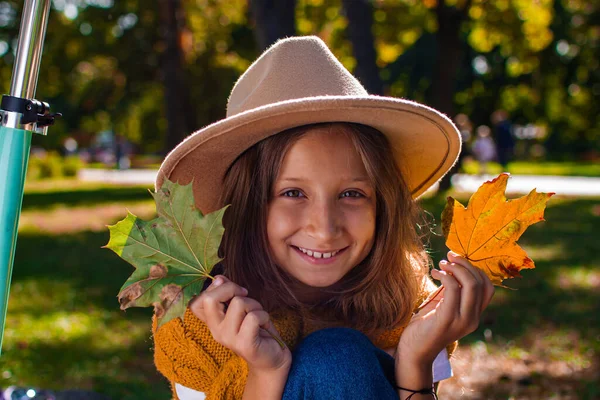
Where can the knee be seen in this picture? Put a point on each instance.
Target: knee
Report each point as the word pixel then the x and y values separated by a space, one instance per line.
pixel 337 363
pixel 333 347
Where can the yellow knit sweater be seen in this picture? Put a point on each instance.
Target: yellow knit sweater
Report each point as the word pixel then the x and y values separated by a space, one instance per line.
pixel 186 353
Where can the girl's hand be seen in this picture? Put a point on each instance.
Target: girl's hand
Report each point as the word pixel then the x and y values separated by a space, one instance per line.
pixel 239 323
pixel 451 315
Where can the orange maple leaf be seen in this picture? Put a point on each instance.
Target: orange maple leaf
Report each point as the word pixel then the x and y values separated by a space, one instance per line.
pixel 486 231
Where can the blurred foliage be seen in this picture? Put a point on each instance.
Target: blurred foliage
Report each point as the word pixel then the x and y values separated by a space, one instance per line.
pixel 103 61
pixel 53 165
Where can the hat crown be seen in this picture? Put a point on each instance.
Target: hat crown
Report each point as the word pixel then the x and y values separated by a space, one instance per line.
pixel 292 68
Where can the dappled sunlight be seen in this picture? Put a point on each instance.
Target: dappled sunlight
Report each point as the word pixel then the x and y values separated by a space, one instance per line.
pixel 545 252
pixel 40 295
pixel 63 219
pixel 60 326
pixel 64 327
pixel 55 333
pixel 577 277
pixel 545 363
pixel 48 311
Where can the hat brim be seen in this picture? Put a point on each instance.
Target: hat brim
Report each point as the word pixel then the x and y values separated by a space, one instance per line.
pixel 425 142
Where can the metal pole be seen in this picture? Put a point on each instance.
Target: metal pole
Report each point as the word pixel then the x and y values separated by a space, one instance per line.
pixel 29 49
pixel 15 140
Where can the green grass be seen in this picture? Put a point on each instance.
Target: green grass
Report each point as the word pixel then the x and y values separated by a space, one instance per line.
pixel 64 328
pixel 70 192
pixel 538 168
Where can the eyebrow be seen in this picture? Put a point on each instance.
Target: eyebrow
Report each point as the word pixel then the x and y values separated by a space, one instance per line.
pixel 294 179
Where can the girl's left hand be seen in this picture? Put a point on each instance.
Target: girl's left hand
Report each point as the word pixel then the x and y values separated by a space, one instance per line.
pixel 451 315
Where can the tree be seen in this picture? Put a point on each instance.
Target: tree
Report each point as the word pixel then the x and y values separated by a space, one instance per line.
pixel 179 108
pixel 360 32
pixel 274 20
pixel 107 66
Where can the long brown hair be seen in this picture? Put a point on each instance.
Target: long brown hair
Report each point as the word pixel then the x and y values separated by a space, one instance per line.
pixel 379 293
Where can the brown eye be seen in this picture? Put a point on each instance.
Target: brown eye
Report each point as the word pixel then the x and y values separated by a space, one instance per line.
pixel 352 193
pixel 292 193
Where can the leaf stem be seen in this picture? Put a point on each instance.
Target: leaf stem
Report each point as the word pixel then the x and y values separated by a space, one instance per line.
pixel 281 343
pixel 430 298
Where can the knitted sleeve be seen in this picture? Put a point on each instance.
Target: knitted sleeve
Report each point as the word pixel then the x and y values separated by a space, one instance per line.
pixel 186 353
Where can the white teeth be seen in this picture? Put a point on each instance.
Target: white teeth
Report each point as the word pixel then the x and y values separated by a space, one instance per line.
pixel 316 254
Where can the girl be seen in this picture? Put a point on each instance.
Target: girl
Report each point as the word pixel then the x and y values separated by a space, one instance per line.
pixel 320 247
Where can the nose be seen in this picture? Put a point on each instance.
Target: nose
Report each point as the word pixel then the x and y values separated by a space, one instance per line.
pixel 323 221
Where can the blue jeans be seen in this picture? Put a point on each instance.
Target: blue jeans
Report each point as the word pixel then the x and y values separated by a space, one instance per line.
pixel 340 363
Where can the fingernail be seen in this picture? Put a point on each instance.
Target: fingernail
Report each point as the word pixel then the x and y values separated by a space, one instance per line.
pixel 245 290
pixel 217 282
pixel 444 262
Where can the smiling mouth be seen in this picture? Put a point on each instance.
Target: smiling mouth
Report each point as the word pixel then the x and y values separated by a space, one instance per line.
pixel 319 255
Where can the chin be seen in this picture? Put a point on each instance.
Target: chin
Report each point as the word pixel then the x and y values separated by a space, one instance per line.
pixel 319 282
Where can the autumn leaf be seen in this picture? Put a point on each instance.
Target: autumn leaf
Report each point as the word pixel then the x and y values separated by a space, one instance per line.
pixel 486 231
pixel 173 254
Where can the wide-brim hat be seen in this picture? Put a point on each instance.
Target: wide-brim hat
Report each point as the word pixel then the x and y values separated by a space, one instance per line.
pixel 298 81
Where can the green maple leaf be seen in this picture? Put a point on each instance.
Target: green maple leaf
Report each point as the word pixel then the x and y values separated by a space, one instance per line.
pixel 173 254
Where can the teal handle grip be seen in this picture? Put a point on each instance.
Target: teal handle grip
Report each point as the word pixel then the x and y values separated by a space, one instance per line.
pixel 14 156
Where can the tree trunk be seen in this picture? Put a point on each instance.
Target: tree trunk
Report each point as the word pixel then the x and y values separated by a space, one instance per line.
pixel 179 110
pixel 360 32
pixel 450 51
pixel 274 20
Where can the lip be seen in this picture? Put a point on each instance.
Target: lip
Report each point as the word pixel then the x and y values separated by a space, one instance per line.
pixel 319 261
pixel 321 251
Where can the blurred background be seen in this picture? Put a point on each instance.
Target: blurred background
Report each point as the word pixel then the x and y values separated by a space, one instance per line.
pixel 520 78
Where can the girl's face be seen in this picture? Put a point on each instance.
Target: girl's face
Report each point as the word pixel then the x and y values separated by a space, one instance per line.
pixel 321 219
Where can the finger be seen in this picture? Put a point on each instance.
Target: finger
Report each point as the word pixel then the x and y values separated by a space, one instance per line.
pixel 431 302
pixel 195 304
pixel 487 287
pixel 470 289
pixel 225 292
pixel 449 307
pixel 213 302
pixel 236 312
pixel 476 272
pixel 195 307
pixel 273 331
pixel 250 329
pixel 458 259
pixel 218 280
pixel 488 290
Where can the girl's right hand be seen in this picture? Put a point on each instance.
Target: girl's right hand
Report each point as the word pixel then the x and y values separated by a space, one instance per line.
pixel 452 314
pixel 239 323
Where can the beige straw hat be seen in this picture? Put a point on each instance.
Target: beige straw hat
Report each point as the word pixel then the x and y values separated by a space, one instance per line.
pixel 298 81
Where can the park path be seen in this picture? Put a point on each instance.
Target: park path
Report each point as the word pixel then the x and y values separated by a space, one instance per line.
pixel 517 184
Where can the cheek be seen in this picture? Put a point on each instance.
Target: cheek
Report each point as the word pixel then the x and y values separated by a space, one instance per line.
pixel 361 220
pixel 362 226
pixel 279 223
